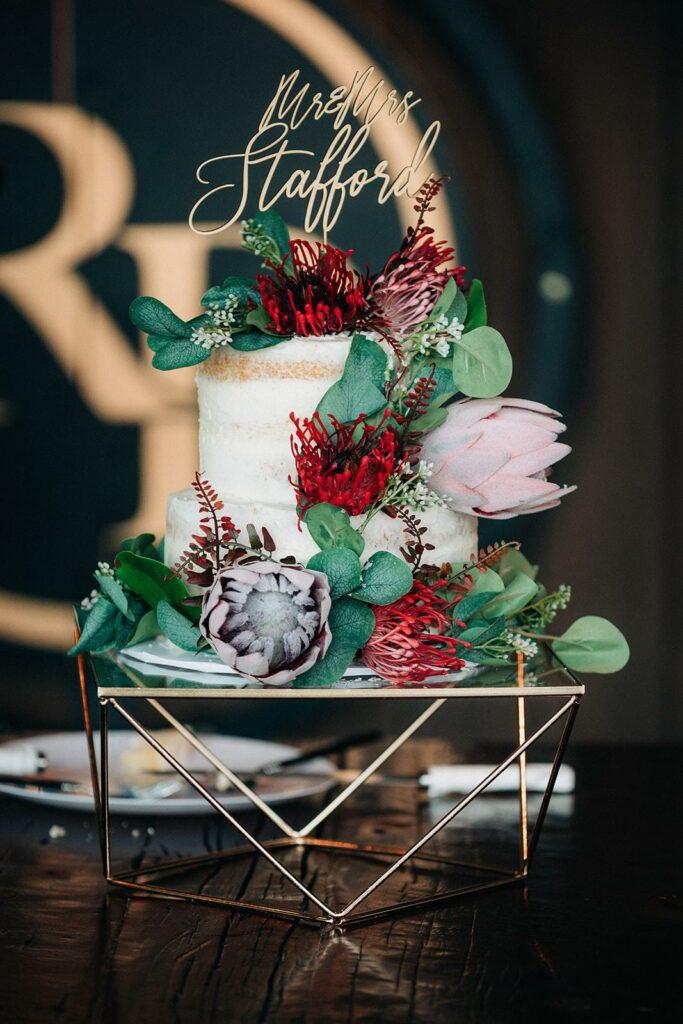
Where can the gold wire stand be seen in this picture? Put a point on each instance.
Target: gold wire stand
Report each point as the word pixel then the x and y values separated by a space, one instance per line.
pixel 145 880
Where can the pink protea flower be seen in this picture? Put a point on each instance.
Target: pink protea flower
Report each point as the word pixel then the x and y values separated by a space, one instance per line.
pixel 267 620
pixel 404 293
pixel 491 457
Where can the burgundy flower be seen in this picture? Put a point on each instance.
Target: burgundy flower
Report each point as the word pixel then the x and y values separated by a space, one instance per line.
pixel 348 465
pixel 410 641
pixel 312 291
pixel 404 293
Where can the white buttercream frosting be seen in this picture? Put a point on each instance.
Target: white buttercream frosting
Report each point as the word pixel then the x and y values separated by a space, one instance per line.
pixel 245 400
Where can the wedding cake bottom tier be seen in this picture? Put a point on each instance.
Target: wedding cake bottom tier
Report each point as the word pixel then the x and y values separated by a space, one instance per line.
pixel 453 534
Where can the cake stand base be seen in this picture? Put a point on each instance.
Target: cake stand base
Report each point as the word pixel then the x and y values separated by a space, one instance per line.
pixel 314 911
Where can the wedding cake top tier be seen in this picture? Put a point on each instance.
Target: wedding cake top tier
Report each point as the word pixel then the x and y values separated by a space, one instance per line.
pixel 245 401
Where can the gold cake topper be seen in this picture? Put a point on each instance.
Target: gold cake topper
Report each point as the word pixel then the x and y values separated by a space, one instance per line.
pixel 329 180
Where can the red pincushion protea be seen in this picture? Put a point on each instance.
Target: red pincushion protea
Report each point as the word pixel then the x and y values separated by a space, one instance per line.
pixel 312 291
pixel 409 642
pixel 403 295
pixel 348 466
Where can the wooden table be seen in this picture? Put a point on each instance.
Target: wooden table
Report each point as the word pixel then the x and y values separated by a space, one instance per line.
pixel 594 936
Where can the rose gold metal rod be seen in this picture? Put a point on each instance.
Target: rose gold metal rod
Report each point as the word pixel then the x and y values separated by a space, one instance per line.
pixel 104 768
pixel 153 742
pixel 234 779
pixel 559 755
pixel 521 736
pixel 371 769
pixel 89 736
pixel 458 808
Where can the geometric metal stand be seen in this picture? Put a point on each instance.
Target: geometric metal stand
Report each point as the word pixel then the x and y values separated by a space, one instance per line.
pixel 150 881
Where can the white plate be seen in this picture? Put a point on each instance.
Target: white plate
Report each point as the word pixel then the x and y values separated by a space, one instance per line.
pixel 68 759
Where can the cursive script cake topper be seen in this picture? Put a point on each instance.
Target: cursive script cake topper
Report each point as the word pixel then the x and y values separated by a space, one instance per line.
pixel 324 183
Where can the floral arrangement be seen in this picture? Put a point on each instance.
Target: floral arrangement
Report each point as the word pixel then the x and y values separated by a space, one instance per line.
pixel 391 438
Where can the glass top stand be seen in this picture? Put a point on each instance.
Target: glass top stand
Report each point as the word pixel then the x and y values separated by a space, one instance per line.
pixel 120 675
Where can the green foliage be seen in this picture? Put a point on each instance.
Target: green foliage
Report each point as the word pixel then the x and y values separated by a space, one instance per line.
pixel 258 318
pixel 482 364
pixel 361 386
pixel 450 303
pixel 172 355
pixel 275 228
pixel 351 624
pixel 176 628
pixel 143 544
pixel 220 296
pixel 478 636
pixel 517 593
pixel 251 341
pixel 385 579
pixel 99 629
pixel 151 580
pixel 513 562
pixel 476 306
pixel 342 568
pixel 146 628
pixel 154 317
pixel 330 527
pixel 592 644
pixel 112 589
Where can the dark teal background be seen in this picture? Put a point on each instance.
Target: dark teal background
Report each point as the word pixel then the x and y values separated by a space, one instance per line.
pixel 559 137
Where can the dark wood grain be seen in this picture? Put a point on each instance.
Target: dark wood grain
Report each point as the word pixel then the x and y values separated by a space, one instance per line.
pixel 594 936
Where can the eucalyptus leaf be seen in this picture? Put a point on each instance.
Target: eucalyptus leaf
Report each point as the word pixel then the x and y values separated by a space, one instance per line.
pixel 112 589
pixel 476 306
pixel 146 628
pixel 351 624
pixel 479 634
pixel 275 227
pixel 592 644
pixel 99 629
pixel 517 594
pixel 445 300
pixel 482 364
pixel 330 527
pixel 219 296
pixel 361 386
pixel 154 317
pixel 175 354
pixel 342 568
pixel 385 579
pixel 176 628
pixel 251 341
pixel 513 562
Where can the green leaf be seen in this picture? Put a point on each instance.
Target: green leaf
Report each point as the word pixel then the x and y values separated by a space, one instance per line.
pixel 99 630
pixel 330 527
pixel 476 306
pixel 342 568
pixel 143 544
pixel 482 364
pixel 592 644
pixel 113 590
pixel 156 318
pixel 146 628
pixel 250 341
pixel 240 288
pixel 512 562
pixel 517 594
pixel 478 635
pixel 430 420
pixel 176 627
pixel 174 354
pixel 151 580
pixel 445 300
pixel 351 624
pixel 275 227
pixel 385 578
pixel 361 387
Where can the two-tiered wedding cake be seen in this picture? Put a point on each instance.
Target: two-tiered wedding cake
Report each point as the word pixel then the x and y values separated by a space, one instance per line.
pixel 245 401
